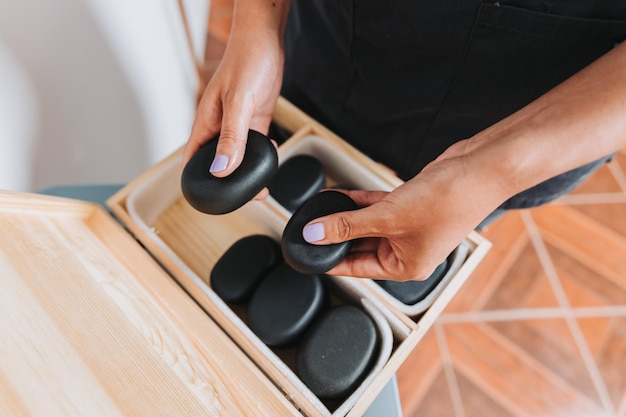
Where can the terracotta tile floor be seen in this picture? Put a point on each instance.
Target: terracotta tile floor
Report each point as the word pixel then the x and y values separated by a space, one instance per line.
pixel 539 329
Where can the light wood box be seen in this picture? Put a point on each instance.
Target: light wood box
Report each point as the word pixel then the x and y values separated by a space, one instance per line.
pixel 121 338
pixel 188 243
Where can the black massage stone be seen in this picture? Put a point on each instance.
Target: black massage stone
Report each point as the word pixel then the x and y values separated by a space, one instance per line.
pixel 284 305
pixel 213 195
pixel 297 179
pixel 336 354
pixel 412 292
pixel 240 269
pixel 303 256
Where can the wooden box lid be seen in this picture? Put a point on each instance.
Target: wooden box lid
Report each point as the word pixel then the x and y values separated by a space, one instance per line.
pixel 91 325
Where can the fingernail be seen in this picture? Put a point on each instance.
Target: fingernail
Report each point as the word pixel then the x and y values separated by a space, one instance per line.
pixel 313 232
pixel 219 163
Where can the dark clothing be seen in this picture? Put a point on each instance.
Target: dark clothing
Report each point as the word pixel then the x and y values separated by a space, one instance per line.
pixel 402 80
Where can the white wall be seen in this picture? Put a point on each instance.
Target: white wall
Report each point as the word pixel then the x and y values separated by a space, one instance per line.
pixel 93 91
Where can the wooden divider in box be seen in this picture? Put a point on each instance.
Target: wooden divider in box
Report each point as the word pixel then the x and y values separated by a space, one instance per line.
pixel 187 243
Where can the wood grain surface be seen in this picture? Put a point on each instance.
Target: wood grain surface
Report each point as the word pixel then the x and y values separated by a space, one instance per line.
pixel 91 326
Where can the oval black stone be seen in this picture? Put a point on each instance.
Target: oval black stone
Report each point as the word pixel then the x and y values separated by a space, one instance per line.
pixel 242 267
pixel 303 256
pixel 284 305
pixel 213 195
pixel 336 354
pixel 297 179
pixel 412 292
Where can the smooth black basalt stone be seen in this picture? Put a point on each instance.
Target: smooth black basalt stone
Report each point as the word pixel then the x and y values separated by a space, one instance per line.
pixel 242 267
pixel 284 305
pixel 297 179
pixel 306 257
pixel 213 195
pixel 412 292
pixel 336 354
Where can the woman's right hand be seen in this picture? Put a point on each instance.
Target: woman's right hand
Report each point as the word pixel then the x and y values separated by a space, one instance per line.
pixel 242 93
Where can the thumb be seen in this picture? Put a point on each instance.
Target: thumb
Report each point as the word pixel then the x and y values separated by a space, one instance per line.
pixel 344 226
pixel 231 144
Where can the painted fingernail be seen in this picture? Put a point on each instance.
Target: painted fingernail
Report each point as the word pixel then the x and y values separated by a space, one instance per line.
pixel 219 163
pixel 313 232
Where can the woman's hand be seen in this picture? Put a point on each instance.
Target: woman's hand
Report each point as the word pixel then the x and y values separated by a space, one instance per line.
pixel 409 231
pixel 242 93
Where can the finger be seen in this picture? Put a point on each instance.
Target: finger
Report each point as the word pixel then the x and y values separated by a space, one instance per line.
pixel 361 265
pixel 205 126
pixel 372 265
pixel 380 263
pixel 190 150
pixel 260 123
pixel 231 143
pixel 377 264
pixel 262 195
pixel 365 245
pixel 346 225
pixel 364 198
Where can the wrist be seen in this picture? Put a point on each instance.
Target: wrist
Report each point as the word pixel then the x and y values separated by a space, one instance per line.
pixel 464 178
pixel 484 172
pixel 264 18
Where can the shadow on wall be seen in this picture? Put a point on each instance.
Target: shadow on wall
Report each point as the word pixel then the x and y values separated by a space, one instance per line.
pixel 93 91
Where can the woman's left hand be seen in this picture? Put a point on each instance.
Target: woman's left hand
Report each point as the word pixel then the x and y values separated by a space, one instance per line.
pixel 406 233
pixel 411 230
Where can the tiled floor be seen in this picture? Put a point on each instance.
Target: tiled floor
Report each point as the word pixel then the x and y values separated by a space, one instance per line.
pixel 539 329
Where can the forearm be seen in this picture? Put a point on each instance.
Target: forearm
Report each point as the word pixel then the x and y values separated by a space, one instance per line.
pixel 260 17
pixel 577 122
pixel 242 92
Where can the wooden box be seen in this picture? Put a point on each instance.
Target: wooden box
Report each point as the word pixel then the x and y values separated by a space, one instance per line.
pixel 141 342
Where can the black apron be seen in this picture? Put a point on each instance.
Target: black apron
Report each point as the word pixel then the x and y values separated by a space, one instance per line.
pixel 402 80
